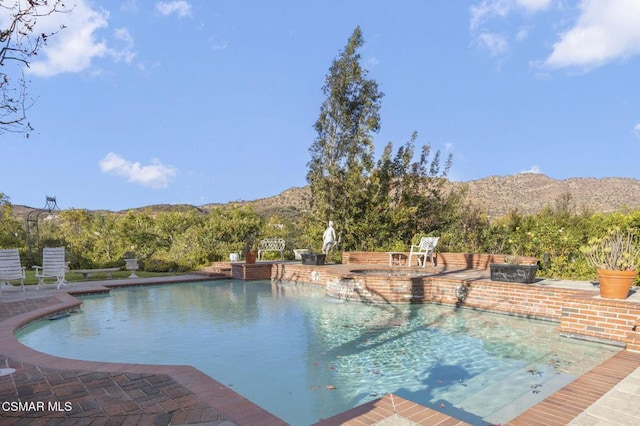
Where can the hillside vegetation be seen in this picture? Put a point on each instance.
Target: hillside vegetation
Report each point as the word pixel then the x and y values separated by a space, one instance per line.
pixel 526 193
pixel 530 215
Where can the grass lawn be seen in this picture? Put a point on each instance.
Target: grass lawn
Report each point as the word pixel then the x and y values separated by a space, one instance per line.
pixel 71 277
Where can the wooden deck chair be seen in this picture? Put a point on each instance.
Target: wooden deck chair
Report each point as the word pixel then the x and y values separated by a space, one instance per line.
pixel 53 266
pixel 424 250
pixel 10 267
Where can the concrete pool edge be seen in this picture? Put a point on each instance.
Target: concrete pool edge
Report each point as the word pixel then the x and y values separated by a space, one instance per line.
pixel 359 415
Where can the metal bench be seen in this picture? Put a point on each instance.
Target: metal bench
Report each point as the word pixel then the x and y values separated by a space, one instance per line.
pixel 271 244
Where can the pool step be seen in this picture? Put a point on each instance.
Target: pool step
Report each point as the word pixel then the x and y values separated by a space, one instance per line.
pixel 528 400
pixel 542 381
pixel 471 400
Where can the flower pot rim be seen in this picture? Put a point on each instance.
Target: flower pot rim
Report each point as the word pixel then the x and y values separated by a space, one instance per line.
pixel 618 271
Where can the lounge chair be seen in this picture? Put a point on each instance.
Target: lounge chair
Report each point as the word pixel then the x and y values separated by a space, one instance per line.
pixel 424 250
pixel 53 266
pixel 10 267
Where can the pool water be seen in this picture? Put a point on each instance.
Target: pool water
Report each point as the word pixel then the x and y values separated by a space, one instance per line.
pixel 304 356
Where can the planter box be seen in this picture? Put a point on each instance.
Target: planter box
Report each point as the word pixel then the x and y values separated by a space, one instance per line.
pixel 525 274
pixel 313 259
pixel 297 253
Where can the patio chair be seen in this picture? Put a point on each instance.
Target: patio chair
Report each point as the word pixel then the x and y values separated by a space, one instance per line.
pixel 10 267
pixel 424 250
pixel 53 266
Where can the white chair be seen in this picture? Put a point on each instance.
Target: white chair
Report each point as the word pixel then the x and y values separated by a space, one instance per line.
pixel 53 266
pixel 10 267
pixel 424 250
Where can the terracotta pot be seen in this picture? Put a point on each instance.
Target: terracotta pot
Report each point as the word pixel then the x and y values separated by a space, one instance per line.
pixel 250 257
pixel 615 284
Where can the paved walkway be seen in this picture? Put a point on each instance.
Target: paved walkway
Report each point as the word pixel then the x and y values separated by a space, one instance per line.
pixel 619 406
pixel 71 392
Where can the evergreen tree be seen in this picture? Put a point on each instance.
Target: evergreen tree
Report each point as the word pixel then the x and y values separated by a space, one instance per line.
pixel 342 155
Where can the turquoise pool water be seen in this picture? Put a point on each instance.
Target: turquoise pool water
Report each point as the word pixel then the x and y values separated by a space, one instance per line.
pixel 304 356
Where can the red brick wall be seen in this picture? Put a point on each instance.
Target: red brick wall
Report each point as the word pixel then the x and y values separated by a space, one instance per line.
pixel 601 318
pixel 518 299
pixel 527 300
pixel 447 260
pixel 248 272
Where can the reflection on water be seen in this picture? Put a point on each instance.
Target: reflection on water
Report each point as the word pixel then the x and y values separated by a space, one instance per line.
pixel 304 356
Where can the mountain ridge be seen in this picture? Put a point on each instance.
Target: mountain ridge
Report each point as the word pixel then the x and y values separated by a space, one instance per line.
pixel 527 193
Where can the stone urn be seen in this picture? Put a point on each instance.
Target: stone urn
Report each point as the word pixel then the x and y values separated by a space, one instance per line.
pixel 131 265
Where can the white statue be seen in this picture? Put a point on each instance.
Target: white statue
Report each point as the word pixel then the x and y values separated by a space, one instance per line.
pixel 328 239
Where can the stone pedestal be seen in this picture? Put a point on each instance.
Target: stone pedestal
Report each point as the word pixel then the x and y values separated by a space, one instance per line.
pixel 132 266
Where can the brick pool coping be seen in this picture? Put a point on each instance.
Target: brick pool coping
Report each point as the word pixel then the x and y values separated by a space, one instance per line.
pixel 151 394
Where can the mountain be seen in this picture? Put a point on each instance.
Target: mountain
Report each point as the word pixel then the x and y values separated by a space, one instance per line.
pixel 531 192
pixel 527 193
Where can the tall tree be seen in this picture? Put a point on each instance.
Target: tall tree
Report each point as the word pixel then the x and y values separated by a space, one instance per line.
pixel 342 155
pixel 19 42
pixel 405 196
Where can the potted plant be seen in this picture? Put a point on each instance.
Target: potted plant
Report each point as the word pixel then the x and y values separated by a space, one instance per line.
pixel 616 258
pixel 250 254
pixel 513 271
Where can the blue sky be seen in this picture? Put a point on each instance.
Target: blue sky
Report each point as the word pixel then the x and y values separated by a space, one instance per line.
pixel 196 102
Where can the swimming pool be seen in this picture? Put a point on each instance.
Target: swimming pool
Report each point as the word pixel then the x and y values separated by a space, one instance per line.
pixel 304 356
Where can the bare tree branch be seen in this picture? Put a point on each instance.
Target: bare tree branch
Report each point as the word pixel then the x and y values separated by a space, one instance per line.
pixel 19 43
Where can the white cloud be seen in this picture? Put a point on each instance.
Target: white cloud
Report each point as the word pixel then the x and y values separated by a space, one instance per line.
pixel 605 30
pixel 636 130
pixel 495 43
pixel 75 46
pixel 522 34
pixel 533 169
pixel 154 175
pixel 533 6
pixel 180 7
pixel 216 44
pixel 125 53
pixel 129 6
pixel 488 9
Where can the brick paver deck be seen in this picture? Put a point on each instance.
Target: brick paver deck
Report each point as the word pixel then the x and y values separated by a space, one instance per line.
pixel 122 398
